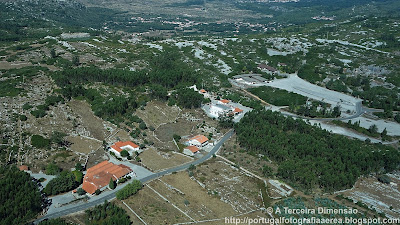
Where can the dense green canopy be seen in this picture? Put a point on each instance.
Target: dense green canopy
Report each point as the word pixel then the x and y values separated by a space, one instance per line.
pixel 20 198
pixel 310 156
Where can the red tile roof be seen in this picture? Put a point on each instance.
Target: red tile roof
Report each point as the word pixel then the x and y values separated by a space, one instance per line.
pixel 117 146
pixel 200 138
pixel 238 110
pixel 193 149
pixel 224 101
pixel 203 91
pixel 99 175
pixel 23 167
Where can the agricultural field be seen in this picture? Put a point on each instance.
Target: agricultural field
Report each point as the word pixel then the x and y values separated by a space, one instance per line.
pixel 180 198
pixel 377 196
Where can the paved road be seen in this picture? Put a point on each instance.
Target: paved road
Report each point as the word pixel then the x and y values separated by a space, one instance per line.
pixel 112 195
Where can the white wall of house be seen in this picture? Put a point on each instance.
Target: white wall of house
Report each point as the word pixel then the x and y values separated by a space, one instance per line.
pixel 188 152
pixel 197 143
pixel 116 152
pixel 130 148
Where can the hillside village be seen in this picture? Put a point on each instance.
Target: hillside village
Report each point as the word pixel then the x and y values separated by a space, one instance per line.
pixel 179 123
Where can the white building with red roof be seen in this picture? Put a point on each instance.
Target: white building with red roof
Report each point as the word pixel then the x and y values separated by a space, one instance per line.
pixel 98 177
pixel 190 150
pixel 119 146
pixel 198 141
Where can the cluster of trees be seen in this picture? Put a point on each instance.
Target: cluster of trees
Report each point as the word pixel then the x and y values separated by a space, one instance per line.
pixel 50 101
pixel 166 69
pixel 316 109
pixel 39 141
pixel 57 138
pixel 20 198
pixel 188 98
pixel 372 131
pixel 64 182
pixel 129 189
pixel 52 169
pixel 57 221
pixel 278 97
pixel 380 98
pixel 309 156
pixel 107 213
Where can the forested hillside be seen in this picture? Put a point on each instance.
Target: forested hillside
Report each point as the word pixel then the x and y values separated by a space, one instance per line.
pixel 20 198
pixel 309 156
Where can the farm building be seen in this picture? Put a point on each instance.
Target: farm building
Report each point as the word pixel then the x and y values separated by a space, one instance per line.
pixel 266 68
pixel 217 110
pixel 198 141
pixel 190 150
pixel 98 176
pixel 119 146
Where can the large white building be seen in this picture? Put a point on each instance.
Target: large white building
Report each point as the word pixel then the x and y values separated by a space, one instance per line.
pixel 217 110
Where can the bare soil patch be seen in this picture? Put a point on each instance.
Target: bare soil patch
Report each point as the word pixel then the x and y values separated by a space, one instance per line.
pixel 196 201
pixel 153 209
pixel 157 113
pixel 182 127
pixel 94 125
pixel 78 218
pixel 158 160
pixel 83 144
pixel 230 184
pixel 57 119
pixel 13 65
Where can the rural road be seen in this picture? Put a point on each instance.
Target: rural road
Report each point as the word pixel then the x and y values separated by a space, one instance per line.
pixel 112 195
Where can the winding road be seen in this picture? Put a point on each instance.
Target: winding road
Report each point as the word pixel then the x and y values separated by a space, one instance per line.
pixel 111 195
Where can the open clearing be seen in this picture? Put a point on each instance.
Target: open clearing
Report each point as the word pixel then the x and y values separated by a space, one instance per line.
pixel 157 113
pixel 94 125
pixel 297 85
pixel 191 198
pixel 230 184
pixel 183 127
pixel 153 209
pixel 83 144
pixel 159 160
pixel 377 195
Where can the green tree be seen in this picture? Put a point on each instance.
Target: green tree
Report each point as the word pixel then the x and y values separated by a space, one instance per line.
pixel 64 182
pixel 384 133
pixel 142 126
pixel 107 214
pixel 78 176
pixel 373 129
pixel 75 60
pixel 129 189
pixel 38 141
pixel 52 169
pixel 53 53
pixel 80 191
pixel 124 153
pixel 111 184
pixel 78 166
